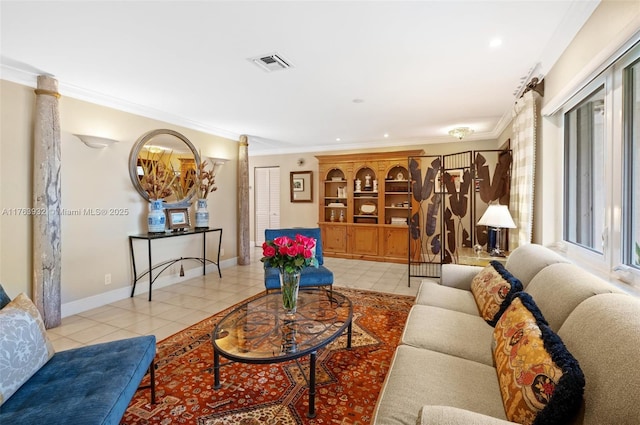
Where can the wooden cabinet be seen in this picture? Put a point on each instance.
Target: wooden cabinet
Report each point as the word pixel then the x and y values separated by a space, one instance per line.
pixel 365 204
pixel 363 241
pixel 334 238
pixel 395 242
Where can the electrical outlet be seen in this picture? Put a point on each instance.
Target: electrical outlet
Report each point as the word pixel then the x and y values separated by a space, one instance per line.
pixel 107 279
pixel 222 252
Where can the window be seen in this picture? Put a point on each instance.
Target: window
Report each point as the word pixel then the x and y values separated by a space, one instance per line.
pixel 601 125
pixel 584 172
pixel 631 203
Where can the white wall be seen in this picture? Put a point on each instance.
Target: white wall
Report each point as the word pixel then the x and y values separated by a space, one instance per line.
pixel 610 26
pixel 93 246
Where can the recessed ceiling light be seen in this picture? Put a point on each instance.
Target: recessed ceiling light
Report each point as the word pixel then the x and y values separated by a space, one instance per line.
pixel 386 135
pixel 358 100
pixel 496 42
pixel 337 139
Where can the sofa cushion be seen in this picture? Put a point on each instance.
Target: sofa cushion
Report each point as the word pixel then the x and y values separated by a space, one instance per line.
pixel 447 415
pixel 603 332
pixel 566 282
pixel 527 260
pixel 24 345
pixel 433 294
pixel 493 289
pixel 449 332
pixel 86 385
pixel 541 382
pixel 418 377
pixel 309 276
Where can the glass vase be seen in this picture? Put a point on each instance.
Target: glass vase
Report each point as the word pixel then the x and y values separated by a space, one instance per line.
pixel 289 283
pixel 156 220
pixel 202 214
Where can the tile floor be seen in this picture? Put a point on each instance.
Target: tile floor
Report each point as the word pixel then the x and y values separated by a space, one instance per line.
pixel 180 305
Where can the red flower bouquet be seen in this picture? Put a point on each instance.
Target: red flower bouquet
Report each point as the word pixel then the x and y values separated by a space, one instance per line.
pixel 290 255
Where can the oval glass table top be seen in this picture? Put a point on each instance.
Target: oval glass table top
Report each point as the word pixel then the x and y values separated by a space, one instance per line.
pixel 176 153
pixel 259 331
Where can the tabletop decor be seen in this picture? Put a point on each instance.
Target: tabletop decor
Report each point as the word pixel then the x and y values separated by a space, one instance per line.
pixel 157 181
pixel 290 256
pixel 205 184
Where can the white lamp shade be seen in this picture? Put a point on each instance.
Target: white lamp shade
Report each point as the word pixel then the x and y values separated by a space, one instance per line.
pixel 497 216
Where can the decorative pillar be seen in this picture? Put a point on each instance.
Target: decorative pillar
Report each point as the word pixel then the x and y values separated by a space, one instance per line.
pixel 46 202
pixel 244 253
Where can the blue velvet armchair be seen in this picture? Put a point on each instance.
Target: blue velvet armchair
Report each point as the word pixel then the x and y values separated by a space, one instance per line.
pixel 310 276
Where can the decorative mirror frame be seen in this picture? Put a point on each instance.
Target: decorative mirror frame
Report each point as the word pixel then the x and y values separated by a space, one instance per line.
pixel 133 164
pixel 301 186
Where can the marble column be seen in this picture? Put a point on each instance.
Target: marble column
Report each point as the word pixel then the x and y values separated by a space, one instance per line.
pixel 46 202
pixel 244 249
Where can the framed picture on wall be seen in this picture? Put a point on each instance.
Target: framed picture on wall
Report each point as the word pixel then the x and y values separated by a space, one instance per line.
pixel 453 175
pixel 298 185
pixel 301 186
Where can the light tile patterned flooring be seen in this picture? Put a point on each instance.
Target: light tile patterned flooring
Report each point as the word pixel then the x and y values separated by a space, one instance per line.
pixel 180 305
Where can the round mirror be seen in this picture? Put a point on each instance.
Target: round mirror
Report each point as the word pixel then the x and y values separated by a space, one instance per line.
pixel 171 156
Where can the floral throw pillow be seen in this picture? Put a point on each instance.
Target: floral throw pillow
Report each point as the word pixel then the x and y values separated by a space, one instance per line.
pixel 493 289
pixel 24 345
pixel 540 381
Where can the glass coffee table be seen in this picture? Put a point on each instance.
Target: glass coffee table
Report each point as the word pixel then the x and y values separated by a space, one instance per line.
pixel 259 331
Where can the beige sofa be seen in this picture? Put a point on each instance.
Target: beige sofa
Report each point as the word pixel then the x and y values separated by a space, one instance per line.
pixel 443 371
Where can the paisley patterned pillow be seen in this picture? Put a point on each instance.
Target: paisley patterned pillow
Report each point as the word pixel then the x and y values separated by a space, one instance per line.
pixel 540 381
pixel 493 289
pixel 24 345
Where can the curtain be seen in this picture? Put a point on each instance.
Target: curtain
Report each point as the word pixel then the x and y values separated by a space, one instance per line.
pixel 522 180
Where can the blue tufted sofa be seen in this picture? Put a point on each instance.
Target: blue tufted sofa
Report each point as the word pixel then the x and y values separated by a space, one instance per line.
pixel 85 386
pixel 310 276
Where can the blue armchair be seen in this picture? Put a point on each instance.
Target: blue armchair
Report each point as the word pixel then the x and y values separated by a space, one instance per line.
pixel 310 276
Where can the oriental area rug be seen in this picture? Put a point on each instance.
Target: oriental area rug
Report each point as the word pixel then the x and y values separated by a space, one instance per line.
pixel 348 381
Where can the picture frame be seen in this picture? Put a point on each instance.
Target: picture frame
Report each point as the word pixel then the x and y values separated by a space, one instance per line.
pixel 297 185
pixel 178 219
pixel 455 175
pixel 301 186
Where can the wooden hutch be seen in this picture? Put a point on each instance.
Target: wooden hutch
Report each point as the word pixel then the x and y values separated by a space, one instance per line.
pixel 364 205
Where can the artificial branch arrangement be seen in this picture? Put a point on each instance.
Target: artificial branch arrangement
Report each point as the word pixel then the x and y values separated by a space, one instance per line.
pixel 157 180
pixel 205 181
pixel 184 182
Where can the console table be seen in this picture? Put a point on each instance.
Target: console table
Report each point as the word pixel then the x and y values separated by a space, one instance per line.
pixel 468 257
pixel 149 237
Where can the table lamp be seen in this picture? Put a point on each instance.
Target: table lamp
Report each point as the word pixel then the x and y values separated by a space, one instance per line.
pixel 498 217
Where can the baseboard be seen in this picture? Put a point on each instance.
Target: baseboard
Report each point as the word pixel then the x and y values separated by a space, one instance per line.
pixel 95 301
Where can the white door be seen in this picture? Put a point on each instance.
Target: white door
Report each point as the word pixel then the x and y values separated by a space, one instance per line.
pixel 267 201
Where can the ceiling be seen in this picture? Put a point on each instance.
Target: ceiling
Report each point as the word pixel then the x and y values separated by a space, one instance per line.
pixel 412 70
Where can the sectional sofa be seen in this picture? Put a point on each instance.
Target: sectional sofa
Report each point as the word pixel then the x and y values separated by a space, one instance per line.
pixel 450 365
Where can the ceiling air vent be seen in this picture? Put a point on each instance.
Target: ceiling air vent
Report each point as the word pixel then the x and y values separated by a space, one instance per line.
pixel 272 62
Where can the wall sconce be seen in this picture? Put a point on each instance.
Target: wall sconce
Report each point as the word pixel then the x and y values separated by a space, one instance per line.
pixel 95 142
pixel 217 164
pixel 461 132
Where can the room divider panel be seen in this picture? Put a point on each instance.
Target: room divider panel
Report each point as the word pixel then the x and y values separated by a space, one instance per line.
pixel 449 193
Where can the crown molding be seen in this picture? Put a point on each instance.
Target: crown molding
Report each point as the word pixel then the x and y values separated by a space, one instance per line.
pixel 29 78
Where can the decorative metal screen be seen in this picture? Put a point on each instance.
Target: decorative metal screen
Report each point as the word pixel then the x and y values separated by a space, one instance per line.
pixel 448 195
